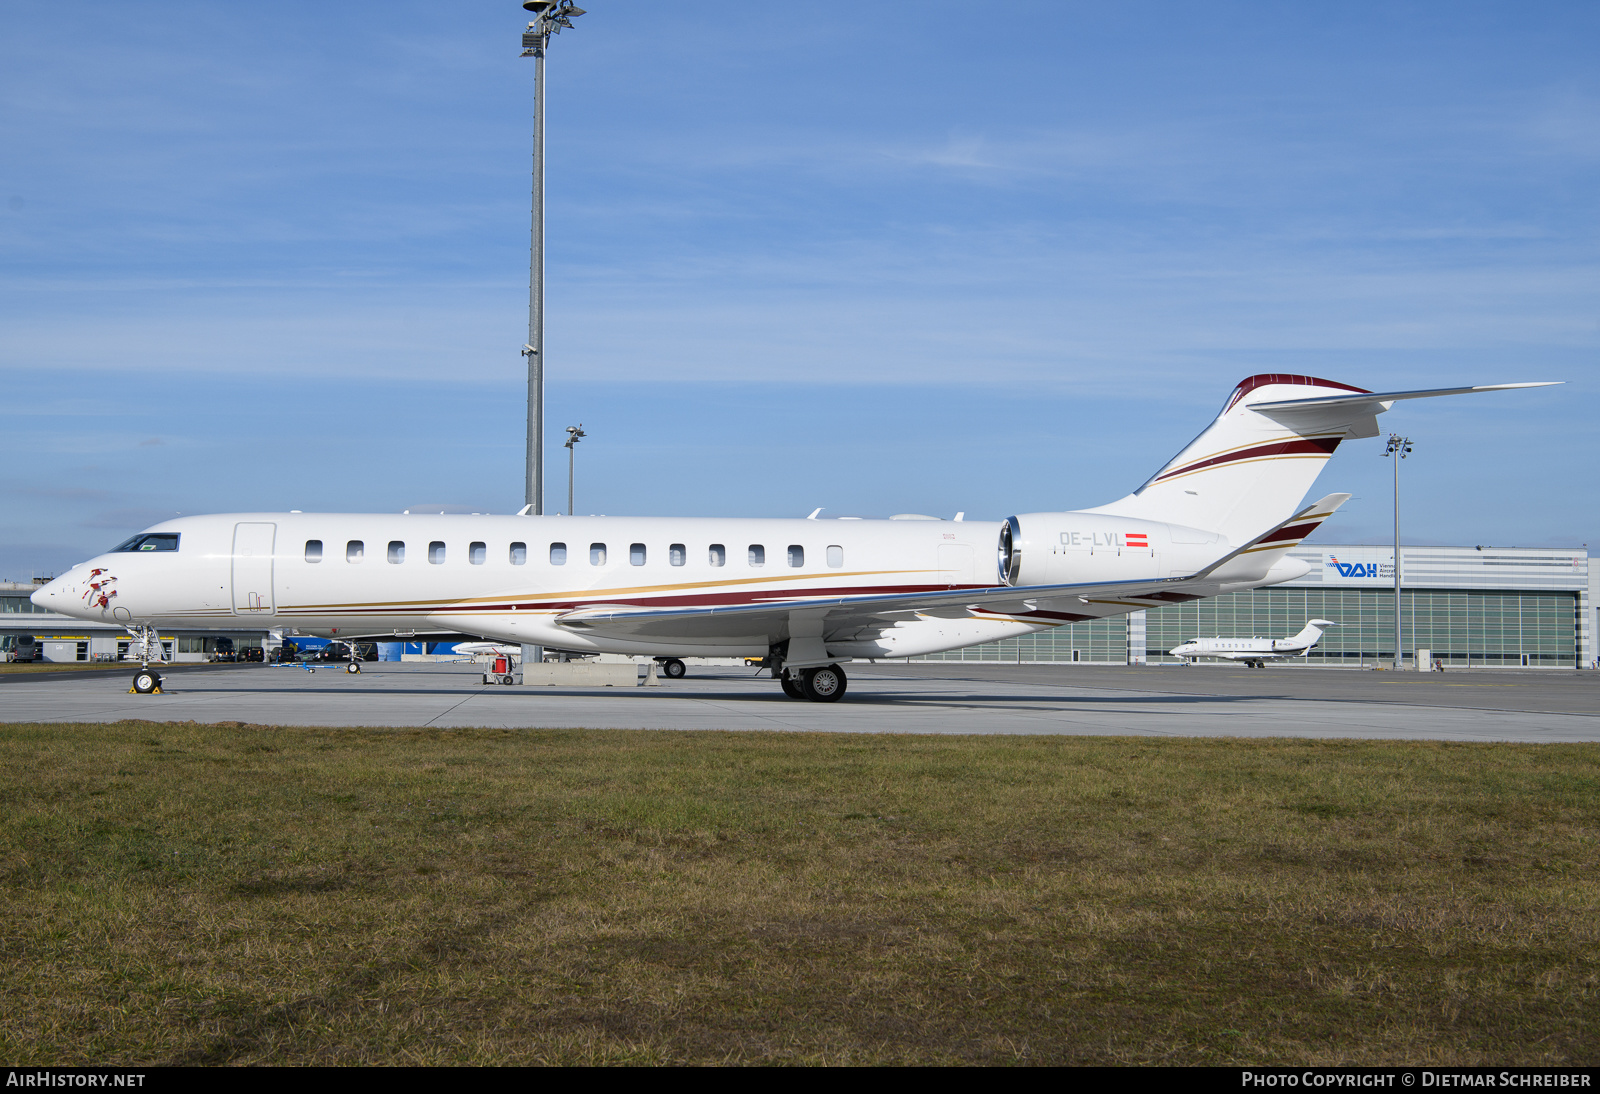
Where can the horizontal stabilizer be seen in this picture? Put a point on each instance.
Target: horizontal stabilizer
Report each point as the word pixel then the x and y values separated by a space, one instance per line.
pixel 1375 398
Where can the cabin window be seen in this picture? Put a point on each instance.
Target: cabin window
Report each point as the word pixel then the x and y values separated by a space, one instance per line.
pixel 677 554
pixel 758 555
pixel 519 554
pixel 797 555
pixel 597 554
pixel 558 554
pixel 635 554
pixel 313 550
pixel 835 555
pixel 477 553
pixel 436 553
pixel 397 552
pixel 354 551
pixel 719 555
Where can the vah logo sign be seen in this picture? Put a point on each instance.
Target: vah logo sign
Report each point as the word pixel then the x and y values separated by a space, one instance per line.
pixel 1358 567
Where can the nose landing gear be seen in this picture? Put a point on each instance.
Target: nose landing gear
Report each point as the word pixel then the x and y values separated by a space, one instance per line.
pixel 147 681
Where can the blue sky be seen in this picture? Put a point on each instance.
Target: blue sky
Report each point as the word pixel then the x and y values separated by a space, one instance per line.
pixel 917 257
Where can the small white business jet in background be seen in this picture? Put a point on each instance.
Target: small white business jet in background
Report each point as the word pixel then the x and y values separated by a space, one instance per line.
pixel 807 595
pixel 474 650
pixel 1256 652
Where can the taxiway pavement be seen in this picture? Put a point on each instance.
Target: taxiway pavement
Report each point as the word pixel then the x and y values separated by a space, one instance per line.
pixel 913 698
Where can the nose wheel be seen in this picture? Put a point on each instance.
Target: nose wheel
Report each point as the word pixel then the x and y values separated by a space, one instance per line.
pixel 146 682
pixel 353 667
pixel 673 669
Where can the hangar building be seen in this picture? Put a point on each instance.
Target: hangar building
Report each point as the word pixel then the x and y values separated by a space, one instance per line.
pixel 1474 607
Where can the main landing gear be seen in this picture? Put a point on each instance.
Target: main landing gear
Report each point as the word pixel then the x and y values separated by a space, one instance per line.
pixel 672 668
pixel 824 684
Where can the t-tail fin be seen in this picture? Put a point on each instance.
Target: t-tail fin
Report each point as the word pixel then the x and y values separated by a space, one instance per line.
pixel 1254 464
pixel 1311 634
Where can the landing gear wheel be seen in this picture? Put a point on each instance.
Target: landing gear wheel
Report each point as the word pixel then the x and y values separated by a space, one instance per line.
pixel 791 687
pixel 354 666
pixel 673 669
pixel 824 685
pixel 146 682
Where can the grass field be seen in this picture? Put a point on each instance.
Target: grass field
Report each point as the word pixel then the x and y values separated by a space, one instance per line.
pixel 248 894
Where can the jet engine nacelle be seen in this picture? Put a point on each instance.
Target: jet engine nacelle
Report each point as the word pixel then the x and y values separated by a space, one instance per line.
pixel 1062 548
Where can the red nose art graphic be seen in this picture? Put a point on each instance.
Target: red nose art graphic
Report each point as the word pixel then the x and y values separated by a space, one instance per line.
pixel 102 588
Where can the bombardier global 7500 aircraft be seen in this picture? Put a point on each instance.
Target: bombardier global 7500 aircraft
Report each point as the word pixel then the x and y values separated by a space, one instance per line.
pixel 806 595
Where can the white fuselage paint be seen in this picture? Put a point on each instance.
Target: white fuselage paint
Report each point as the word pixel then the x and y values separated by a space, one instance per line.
pixel 254 568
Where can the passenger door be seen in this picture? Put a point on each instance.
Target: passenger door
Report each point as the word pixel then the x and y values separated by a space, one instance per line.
pixel 252 569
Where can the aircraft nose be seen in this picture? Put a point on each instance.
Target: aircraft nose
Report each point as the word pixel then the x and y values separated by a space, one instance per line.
pixel 49 597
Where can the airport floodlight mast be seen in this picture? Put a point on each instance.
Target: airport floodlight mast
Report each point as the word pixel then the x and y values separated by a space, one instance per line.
pixel 550 17
pixel 1399 448
pixel 575 434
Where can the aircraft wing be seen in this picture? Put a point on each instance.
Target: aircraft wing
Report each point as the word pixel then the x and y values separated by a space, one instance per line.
pixel 852 616
pixel 848 617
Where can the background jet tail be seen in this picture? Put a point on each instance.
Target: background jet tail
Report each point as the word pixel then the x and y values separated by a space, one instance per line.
pixel 1254 464
pixel 1311 634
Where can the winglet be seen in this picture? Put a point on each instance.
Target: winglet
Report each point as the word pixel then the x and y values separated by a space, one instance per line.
pixel 1252 561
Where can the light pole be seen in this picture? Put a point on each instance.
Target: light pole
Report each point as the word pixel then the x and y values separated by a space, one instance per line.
pixel 549 17
pixel 1398 448
pixel 575 434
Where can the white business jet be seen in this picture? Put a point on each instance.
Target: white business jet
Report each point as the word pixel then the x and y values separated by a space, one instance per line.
pixel 807 595
pixel 1256 652
pixel 486 649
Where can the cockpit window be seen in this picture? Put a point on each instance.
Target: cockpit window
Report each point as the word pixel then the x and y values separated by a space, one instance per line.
pixel 152 541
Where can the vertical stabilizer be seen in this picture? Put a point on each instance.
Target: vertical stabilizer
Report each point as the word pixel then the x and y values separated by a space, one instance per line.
pixel 1249 470
pixel 1310 635
pixel 1252 466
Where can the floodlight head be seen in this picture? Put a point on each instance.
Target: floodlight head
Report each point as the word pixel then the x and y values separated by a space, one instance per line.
pixel 538 6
